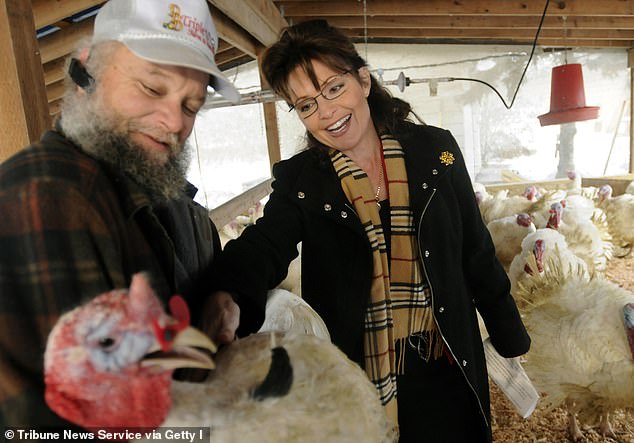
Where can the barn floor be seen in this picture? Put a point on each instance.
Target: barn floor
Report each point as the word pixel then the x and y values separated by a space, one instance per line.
pixel 551 427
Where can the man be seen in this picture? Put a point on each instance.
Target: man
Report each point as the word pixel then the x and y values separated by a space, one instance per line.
pixel 104 194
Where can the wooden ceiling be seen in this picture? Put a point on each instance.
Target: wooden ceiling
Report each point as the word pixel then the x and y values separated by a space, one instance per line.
pixel 585 23
pixel 246 27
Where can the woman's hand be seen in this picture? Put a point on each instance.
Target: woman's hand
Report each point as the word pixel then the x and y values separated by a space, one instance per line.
pixel 220 318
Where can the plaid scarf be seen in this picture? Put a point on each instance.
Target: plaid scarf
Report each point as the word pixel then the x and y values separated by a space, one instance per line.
pixel 400 301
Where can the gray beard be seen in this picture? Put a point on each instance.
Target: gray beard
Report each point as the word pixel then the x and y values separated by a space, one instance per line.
pixel 105 137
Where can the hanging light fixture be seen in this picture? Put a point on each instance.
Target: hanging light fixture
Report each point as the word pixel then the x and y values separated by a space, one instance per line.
pixel 567 97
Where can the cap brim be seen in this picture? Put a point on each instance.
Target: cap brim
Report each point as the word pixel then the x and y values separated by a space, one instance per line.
pixel 180 55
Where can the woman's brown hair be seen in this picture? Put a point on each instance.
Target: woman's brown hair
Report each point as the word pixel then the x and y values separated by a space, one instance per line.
pixel 312 40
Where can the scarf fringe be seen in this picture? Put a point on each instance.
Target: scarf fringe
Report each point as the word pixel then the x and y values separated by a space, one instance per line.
pixel 428 344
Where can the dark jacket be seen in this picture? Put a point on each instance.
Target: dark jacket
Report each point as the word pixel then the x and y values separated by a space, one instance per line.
pixel 308 205
pixel 71 228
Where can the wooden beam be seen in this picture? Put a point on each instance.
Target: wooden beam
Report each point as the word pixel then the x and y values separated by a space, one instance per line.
pixel 65 41
pixel 233 34
pixel 272 133
pixel 260 18
pixel 630 64
pixel 229 56
pixel 574 43
pixel 478 22
pixel 618 183
pixel 569 8
pixel 270 123
pixel 555 43
pixel 227 211
pixel 235 62
pixel 223 45
pixel 495 34
pixel 24 109
pixel 48 12
pixel 270 14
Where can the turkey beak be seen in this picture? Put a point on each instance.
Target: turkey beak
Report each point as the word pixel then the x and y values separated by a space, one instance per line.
pixel 182 352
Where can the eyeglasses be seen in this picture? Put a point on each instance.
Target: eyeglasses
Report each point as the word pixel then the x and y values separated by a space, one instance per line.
pixel 334 87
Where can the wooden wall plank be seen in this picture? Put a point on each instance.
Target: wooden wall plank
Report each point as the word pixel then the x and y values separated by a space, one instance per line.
pixel 618 183
pixel 24 108
pixel 54 71
pixel 496 34
pixel 569 8
pixel 63 42
pixel 240 204
pixel 55 107
pixel 55 91
pixel 48 12
pixel 477 22
pixel 630 65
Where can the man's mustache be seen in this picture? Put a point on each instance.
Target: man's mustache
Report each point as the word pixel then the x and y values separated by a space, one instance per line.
pixel 168 138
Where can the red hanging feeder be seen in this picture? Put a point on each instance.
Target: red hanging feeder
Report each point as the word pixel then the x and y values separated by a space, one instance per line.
pixel 567 98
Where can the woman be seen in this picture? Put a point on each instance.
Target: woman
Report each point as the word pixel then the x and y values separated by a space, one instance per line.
pixel 395 257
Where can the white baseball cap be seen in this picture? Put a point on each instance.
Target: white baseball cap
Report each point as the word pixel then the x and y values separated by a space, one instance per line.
pixel 170 32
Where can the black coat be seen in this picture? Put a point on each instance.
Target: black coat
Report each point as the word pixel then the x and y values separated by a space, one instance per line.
pixel 308 205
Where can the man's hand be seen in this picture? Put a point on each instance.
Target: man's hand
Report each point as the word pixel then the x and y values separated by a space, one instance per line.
pixel 220 318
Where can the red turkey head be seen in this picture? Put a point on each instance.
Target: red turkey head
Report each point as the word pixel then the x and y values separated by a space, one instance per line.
pixel 628 319
pixel 524 219
pixel 109 363
pixel 538 251
pixel 555 215
pixel 531 193
pixel 604 193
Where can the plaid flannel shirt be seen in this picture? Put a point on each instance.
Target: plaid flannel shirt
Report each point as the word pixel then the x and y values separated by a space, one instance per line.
pixel 71 228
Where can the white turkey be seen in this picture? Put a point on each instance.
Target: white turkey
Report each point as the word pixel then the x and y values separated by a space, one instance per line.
pixel 293 280
pixel 578 209
pixel 507 234
pixel 619 211
pixel 583 237
pixel 288 312
pixel 501 205
pixel 540 210
pixel 574 187
pixel 582 350
pixel 109 363
pixel 234 228
pixel 575 181
pixel 480 192
pixel 230 231
pixel 547 245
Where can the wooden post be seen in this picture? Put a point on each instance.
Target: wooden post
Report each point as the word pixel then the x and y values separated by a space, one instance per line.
pixel 270 124
pixel 630 64
pixel 272 133
pixel 23 105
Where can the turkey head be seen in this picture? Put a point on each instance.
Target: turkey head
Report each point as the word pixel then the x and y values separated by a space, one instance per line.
pixel 109 363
